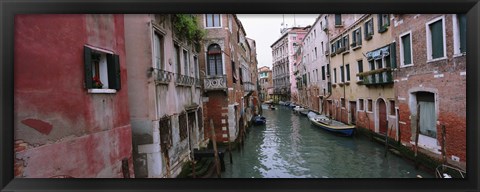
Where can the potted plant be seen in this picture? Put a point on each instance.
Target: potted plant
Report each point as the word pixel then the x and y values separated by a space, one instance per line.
pixel 97 83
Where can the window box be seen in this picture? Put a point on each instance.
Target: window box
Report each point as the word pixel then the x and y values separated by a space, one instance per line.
pixel 105 91
pixel 368 37
pixel 354 44
pixel 383 28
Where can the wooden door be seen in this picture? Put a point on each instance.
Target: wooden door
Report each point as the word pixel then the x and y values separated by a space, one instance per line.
pixel 353 112
pixel 382 116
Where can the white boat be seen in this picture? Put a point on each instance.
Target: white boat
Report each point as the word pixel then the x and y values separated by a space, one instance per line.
pixel 331 125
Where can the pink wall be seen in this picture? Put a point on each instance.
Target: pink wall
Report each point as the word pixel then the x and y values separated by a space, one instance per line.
pixel 60 128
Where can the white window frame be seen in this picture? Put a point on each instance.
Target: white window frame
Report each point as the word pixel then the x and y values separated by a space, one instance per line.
pixel 358 70
pixel 390 107
pixel 186 70
pixel 456 37
pixel 205 21
pixel 402 65
pixel 429 37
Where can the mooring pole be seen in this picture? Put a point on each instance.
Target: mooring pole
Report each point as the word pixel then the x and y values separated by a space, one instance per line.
pixel 229 145
pixel 417 133
pixel 215 151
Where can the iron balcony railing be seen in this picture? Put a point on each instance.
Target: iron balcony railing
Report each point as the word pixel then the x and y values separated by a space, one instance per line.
pixel 215 83
pixel 184 80
pixel 162 76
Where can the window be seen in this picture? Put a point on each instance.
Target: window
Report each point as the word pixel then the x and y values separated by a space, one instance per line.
pixel 316 52
pixel 214 55
pixel 383 22
pixel 182 123
pixel 323 72
pixel 406 49
pixel 212 20
pixel 392 107
pixel 316 75
pixel 342 102
pixel 165 133
pixel 102 69
pixel 195 62
pixel 178 69
pixel 186 64
pixel 360 105
pixel 369 29
pixel 436 39
pixel 360 69
pixel 345 42
pixel 338 19
pixel 347 68
pixel 335 75
pixel 460 33
pixel 369 105
pixel 357 37
pixel 342 77
pixel 234 73
pixel 158 50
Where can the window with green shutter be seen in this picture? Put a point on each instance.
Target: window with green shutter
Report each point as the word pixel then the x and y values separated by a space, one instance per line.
pixel 102 70
pixel 342 76
pixel 369 29
pixel 436 39
pixel 406 48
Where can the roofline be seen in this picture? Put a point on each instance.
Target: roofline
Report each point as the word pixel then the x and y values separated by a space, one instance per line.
pixel 289 29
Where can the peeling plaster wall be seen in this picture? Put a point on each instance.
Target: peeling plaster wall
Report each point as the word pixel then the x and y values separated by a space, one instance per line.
pixel 60 129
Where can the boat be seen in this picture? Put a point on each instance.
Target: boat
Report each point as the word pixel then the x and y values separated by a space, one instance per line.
pixel 269 102
pixel 259 120
pixel 445 171
pixel 331 125
pixel 301 110
pixel 271 107
pixel 281 103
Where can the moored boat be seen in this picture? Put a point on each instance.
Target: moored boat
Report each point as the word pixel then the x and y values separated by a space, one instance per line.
pixel 330 124
pixel 259 120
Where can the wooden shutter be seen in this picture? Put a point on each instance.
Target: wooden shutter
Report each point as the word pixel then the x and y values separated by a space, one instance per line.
pixel 379 22
pixel 393 55
pixel 348 71
pixel 113 67
pixel 436 30
pixel 359 37
pixel 406 50
pixel 88 67
pixel 342 74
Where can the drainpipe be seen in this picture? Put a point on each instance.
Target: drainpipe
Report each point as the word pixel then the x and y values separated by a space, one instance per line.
pixel 344 87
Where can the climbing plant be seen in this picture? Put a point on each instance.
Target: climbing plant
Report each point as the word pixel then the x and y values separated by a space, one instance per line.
pixel 186 26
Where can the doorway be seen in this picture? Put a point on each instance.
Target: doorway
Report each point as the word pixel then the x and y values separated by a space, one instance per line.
pixel 353 112
pixel 382 116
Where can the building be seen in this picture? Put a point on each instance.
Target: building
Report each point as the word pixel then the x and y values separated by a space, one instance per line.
pixel 430 83
pixel 315 56
pixel 283 51
pixel 167 117
pixel 362 59
pixel 71 97
pixel 265 82
pixel 227 76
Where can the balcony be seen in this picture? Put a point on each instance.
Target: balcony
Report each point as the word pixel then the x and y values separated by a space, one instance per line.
pixel 381 76
pixel 212 83
pixel 183 80
pixel 248 86
pixel 162 77
pixel 198 83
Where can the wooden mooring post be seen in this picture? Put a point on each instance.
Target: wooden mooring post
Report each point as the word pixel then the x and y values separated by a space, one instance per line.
pixel 214 141
pixel 386 139
pixel 229 145
pixel 417 133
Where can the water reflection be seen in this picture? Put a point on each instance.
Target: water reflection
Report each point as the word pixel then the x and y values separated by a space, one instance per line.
pixel 289 146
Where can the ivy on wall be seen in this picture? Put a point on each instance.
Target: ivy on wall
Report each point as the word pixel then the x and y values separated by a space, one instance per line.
pixel 186 26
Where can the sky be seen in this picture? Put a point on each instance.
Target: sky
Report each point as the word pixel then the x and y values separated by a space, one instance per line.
pixel 265 30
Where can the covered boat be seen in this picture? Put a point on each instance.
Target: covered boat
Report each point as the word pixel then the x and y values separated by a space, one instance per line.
pixel 259 120
pixel 331 125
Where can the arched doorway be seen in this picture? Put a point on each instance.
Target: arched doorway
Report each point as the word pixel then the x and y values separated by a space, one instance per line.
pixel 382 116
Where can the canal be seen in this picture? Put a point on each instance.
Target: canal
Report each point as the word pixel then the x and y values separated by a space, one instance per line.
pixel 289 146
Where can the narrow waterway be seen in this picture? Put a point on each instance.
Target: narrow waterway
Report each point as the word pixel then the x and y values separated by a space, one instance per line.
pixel 289 146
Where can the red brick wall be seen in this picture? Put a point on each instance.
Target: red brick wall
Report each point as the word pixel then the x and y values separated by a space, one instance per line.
pixel 450 89
pixel 215 109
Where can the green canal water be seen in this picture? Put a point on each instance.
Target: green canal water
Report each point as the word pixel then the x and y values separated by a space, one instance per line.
pixel 289 146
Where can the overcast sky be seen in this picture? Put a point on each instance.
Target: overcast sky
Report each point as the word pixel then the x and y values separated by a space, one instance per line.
pixel 265 30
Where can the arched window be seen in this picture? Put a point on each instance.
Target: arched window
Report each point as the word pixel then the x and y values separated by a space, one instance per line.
pixel 214 58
